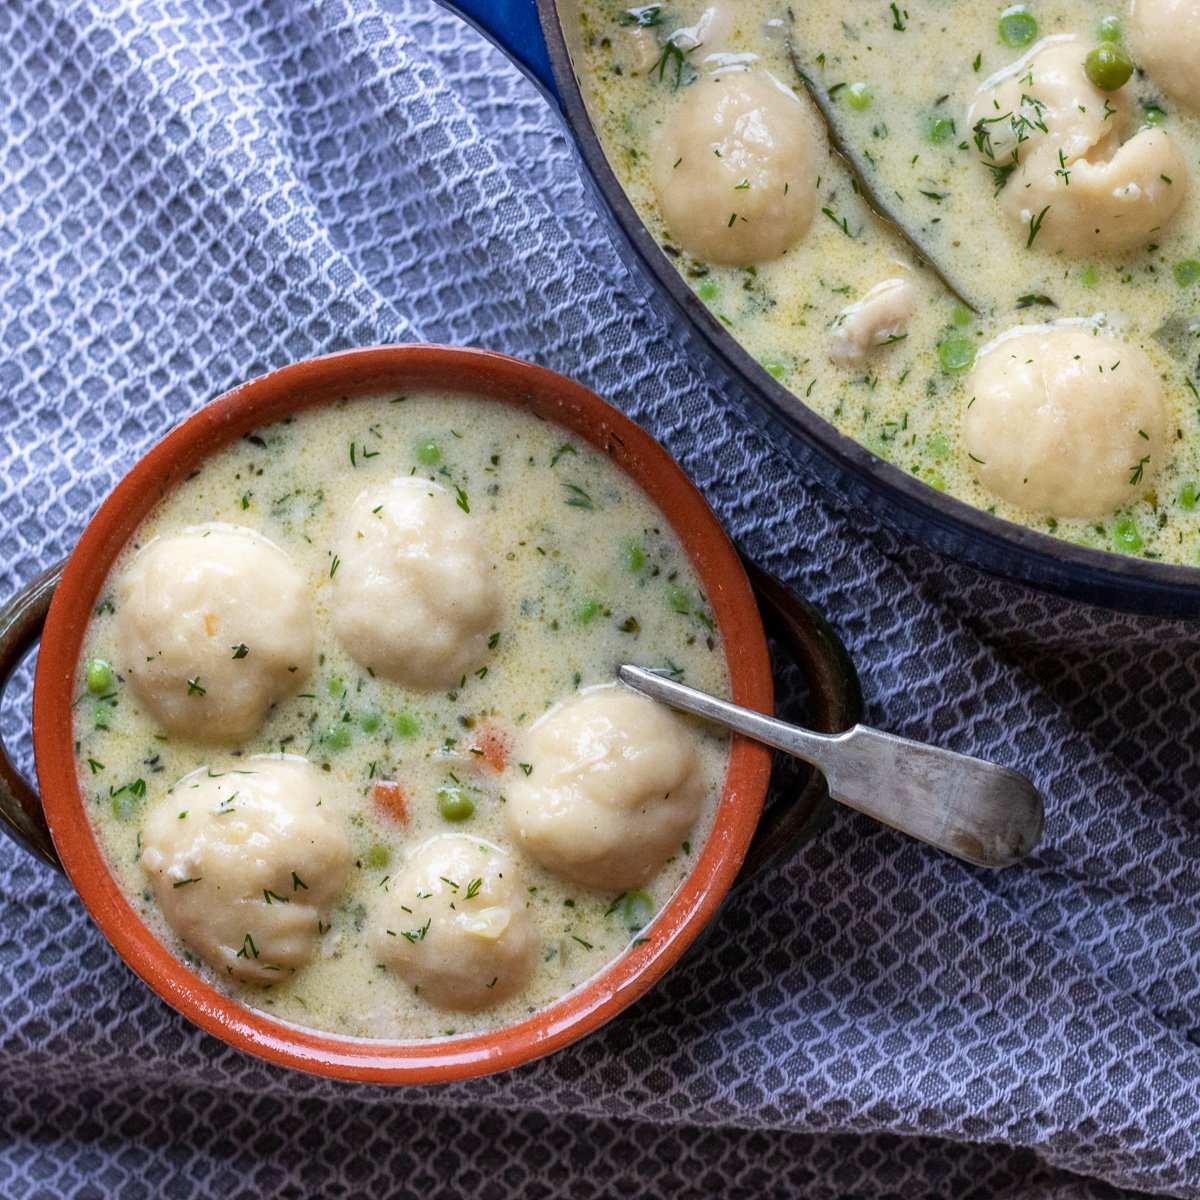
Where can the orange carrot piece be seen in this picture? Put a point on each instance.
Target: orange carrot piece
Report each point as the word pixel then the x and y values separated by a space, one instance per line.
pixel 390 800
pixel 493 745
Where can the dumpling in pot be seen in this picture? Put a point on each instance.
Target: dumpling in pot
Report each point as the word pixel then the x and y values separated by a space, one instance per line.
pixel 455 924
pixel 1073 170
pixel 734 168
pixel 246 863
pixel 1165 39
pixel 214 625
pixel 1065 422
pixel 414 591
pixel 614 786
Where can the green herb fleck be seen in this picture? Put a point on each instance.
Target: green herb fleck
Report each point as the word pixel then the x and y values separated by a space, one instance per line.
pixel 577 497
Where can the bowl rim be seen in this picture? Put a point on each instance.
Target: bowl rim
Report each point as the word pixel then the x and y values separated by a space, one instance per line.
pixel 361 373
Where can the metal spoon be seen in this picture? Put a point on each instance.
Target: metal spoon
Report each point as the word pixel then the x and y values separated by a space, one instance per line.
pixel 975 810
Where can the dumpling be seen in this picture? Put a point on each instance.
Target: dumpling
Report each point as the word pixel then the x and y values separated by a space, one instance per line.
pixel 1165 39
pixel 214 625
pixel 415 596
pixel 614 786
pixel 1067 177
pixel 455 924
pixel 734 168
pixel 1064 421
pixel 246 863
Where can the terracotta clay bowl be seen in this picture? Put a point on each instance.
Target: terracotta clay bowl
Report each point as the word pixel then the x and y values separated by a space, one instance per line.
pixel 58 605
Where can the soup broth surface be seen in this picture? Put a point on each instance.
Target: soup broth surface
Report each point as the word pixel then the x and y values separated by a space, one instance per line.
pixel 591 576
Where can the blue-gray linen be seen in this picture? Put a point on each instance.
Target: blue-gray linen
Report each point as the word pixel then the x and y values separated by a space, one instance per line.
pixel 193 192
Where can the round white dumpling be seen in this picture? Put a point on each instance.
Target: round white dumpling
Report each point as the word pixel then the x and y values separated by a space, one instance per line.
pixel 613 787
pixel 455 924
pixel 214 625
pixel 734 168
pixel 1165 38
pixel 415 596
pixel 1078 185
pixel 246 863
pixel 1065 422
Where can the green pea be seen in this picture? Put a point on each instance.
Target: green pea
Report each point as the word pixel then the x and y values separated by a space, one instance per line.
pixel 679 598
pixel 369 722
pixel 336 737
pixel 774 367
pixel 1152 114
pixel 378 855
pixel 406 725
pixel 454 804
pixel 429 453
pixel 956 352
pixel 335 685
pixel 635 557
pixel 1125 534
pixel 707 288
pixel 939 445
pixel 125 806
pixel 637 908
pixel 1187 272
pixel 589 606
pixel 941 130
pixel 1089 276
pixel 1188 495
pixel 1017 27
pixel 1108 67
pixel 961 315
pixel 937 481
pixel 858 96
pixel 1109 29
pixel 99 676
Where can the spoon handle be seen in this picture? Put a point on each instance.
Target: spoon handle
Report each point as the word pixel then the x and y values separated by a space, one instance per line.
pixel 975 810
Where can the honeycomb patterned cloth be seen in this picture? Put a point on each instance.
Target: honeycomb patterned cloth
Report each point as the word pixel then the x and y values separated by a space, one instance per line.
pixel 193 192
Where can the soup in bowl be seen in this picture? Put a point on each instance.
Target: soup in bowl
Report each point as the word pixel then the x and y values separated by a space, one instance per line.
pixel 326 728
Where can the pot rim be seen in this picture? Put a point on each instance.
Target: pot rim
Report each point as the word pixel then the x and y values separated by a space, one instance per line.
pixel 948 525
pixel 250 406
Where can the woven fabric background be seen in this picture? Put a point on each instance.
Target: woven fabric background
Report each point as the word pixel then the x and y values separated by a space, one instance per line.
pixel 193 192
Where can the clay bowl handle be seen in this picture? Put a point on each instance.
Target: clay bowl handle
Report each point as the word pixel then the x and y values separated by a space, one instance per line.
pixel 837 704
pixel 21 622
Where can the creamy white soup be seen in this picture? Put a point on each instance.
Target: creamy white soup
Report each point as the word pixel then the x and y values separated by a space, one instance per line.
pixel 1046 157
pixel 346 723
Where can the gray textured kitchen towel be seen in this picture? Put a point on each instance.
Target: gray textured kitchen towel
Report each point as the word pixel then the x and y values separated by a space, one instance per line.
pixel 193 192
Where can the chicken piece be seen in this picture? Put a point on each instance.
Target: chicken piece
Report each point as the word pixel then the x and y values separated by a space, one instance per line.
pixel 879 319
